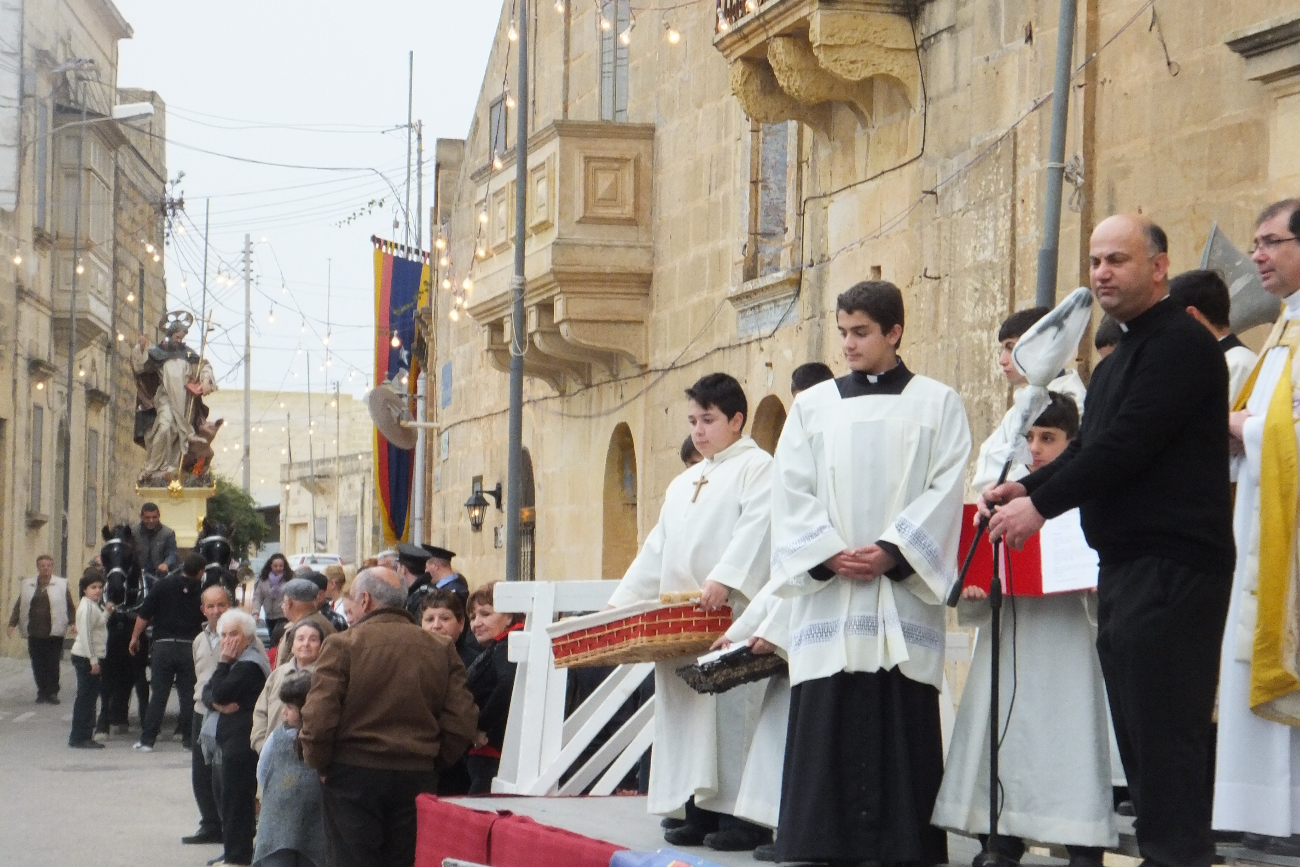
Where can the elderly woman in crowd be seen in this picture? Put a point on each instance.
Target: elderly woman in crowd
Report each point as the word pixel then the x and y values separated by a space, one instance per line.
pixel 491 680
pixel 232 691
pixel 305 638
pixel 300 606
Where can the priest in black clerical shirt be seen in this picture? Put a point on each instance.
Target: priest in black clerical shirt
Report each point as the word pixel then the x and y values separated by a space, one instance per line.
pixel 1149 474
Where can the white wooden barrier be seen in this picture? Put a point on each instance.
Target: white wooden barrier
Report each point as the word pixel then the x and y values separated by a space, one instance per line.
pixel 541 745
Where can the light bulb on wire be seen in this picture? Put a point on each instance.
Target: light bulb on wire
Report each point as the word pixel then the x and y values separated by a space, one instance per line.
pixel 673 34
pixel 81 269
pixel 446 283
pixel 625 38
pixel 559 6
pixel 18 259
pixel 512 33
pixel 444 262
pixel 396 342
pixel 605 23
pixel 130 298
pixel 510 100
pixel 440 243
pixel 454 316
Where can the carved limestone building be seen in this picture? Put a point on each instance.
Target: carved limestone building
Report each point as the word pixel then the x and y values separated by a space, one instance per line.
pixel 703 181
pixel 60 60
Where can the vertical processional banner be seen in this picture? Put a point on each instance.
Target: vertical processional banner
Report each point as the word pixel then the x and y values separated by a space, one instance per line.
pixel 401 287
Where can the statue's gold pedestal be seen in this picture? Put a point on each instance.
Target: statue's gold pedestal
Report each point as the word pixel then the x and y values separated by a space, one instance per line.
pixel 182 509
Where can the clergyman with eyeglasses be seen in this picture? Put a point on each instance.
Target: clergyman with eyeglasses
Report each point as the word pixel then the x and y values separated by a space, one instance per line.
pixel 1259 693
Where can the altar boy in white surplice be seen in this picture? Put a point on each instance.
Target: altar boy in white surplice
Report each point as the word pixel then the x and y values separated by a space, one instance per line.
pixel 1055 757
pixel 712 538
pixel 866 517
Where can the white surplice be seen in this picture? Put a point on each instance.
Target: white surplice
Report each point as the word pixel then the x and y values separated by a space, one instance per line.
pixel 1257 775
pixel 1241 361
pixel 759 798
pixel 720 535
pixel 1054 763
pixel 850 472
pixel 997 448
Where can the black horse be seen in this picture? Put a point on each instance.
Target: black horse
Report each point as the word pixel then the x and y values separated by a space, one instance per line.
pixel 215 547
pixel 126 587
pixel 124 584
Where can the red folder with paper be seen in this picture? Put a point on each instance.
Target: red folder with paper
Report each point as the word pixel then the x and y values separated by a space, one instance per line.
pixel 1056 560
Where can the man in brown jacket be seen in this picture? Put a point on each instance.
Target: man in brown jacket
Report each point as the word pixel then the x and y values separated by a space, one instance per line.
pixel 388 709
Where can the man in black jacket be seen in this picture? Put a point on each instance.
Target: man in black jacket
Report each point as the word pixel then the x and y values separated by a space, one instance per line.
pixel 175 609
pixel 1149 474
pixel 232 692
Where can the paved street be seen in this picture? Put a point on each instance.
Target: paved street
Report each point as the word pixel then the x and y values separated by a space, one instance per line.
pixel 69 807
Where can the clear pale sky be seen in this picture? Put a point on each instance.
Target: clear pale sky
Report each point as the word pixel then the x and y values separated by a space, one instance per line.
pixel 311 84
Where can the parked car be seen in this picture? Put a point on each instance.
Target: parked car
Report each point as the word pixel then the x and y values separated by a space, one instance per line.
pixel 313 561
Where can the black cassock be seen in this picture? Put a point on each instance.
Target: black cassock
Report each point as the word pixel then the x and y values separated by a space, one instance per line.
pixel 864 750
pixel 863 764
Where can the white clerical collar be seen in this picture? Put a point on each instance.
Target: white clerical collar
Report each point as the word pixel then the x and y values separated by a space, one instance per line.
pixel 1291 309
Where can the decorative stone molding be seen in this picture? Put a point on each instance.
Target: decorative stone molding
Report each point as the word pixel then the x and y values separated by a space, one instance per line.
pixel 760 95
pixel 590 254
pixel 793 59
pixel 797 70
pixel 766 303
pixel 1271 49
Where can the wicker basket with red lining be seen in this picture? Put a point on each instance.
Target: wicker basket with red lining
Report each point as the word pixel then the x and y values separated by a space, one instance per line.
pixel 645 632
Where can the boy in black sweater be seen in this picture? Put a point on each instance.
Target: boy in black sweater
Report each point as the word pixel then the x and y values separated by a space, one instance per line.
pixel 1149 474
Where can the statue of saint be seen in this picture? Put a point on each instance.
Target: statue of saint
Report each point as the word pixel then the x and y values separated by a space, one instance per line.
pixel 171 420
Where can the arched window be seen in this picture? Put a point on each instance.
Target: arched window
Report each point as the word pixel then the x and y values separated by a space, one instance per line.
pixel 528 520
pixel 619 536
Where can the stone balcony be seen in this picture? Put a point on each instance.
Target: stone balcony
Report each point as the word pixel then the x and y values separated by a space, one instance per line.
pixel 795 59
pixel 589 251
pixel 94 291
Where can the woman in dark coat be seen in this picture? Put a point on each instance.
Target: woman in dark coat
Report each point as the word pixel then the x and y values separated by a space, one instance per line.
pixel 231 694
pixel 492 680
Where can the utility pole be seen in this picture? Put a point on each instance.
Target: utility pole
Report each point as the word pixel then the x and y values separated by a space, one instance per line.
pixel 311 456
pixel 514 461
pixel 203 305
pixel 248 367
pixel 419 185
pixel 410 101
pixel 72 349
pixel 1045 291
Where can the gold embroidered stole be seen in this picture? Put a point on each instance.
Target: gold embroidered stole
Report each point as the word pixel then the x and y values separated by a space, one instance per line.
pixel 1275 658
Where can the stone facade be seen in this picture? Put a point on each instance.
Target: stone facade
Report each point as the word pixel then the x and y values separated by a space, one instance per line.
pixel 286 426
pixel 120 289
pixel 883 146
pixel 329 505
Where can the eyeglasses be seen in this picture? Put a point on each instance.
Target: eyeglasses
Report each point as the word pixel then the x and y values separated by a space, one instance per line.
pixel 1270 243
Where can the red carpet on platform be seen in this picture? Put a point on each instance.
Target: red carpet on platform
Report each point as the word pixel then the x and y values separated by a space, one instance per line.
pixel 499 839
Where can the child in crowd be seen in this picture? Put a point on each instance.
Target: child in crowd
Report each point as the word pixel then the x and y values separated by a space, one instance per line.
pixel 492 680
pixel 1055 760
pixel 291 826
pixel 1107 336
pixel 442 613
pixel 87 654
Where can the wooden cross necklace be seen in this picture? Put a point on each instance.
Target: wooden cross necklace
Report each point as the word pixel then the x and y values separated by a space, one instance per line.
pixel 701 482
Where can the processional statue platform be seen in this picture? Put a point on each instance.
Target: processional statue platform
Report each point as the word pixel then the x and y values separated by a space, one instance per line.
pixel 173 426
